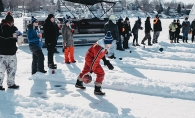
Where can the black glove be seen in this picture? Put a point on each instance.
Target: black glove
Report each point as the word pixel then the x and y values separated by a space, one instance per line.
pixel 109 65
pixel 104 60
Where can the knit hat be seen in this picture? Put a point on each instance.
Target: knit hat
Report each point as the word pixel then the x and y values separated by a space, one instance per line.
pixel 65 21
pixel 112 18
pixel 186 18
pixel 50 16
pixel 9 18
pixel 67 16
pixel 126 18
pixel 174 20
pixel 108 38
pixel 33 19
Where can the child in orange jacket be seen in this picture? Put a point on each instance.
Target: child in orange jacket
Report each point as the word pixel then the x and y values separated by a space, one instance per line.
pixel 92 63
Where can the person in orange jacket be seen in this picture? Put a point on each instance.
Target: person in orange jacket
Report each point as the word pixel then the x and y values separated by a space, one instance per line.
pixel 68 42
pixel 92 63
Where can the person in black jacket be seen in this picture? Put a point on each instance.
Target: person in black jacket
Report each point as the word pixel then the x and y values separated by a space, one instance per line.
pixel 121 32
pixel 148 29
pixel 178 30
pixel 157 29
pixel 50 39
pixel 193 29
pixel 137 26
pixel 8 48
pixel 127 33
pixel 113 28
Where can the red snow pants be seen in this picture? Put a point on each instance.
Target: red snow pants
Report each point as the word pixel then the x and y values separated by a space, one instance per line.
pixel 69 54
pixel 98 71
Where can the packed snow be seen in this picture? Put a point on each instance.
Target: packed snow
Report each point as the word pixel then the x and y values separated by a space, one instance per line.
pixel 146 83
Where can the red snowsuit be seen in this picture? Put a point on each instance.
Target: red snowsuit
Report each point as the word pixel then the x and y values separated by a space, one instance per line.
pixel 92 62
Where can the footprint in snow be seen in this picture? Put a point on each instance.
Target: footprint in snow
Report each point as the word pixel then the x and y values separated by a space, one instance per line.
pixel 75 95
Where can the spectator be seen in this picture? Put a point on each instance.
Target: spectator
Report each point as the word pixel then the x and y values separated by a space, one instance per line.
pixel 127 33
pixel 68 42
pixel 148 29
pixel 50 39
pixel 121 32
pixel 135 29
pixel 185 29
pixel 172 28
pixel 178 31
pixel 157 29
pixel 8 48
pixel 193 29
pixel 113 28
pixel 35 46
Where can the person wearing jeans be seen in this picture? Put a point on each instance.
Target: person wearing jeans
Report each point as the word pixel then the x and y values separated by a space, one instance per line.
pixel 185 29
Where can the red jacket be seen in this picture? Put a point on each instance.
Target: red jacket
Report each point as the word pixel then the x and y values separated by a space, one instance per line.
pixel 94 55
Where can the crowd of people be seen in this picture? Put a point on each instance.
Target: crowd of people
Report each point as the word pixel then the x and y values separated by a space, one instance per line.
pixel 117 36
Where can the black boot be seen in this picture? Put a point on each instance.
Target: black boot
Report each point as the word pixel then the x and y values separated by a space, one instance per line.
pixel 98 91
pixel 183 41
pixel 52 66
pixel 14 86
pixel 112 57
pixel 186 41
pixel 2 89
pixel 79 84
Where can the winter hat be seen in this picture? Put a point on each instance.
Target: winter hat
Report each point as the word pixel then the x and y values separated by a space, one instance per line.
pixel 186 18
pixel 33 19
pixel 9 18
pixel 50 16
pixel 178 20
pixel 67 16
pixel 108 38
pixel 174 20
pixel 112 18
pixel 126 18
pixel 65 21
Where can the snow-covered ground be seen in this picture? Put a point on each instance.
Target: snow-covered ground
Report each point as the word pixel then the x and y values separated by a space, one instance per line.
pixel 145 84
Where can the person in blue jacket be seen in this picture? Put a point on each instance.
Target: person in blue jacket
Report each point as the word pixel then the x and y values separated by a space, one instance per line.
pixel 35 46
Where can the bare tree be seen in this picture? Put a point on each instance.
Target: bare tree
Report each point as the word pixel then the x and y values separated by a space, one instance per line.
pixel 145 4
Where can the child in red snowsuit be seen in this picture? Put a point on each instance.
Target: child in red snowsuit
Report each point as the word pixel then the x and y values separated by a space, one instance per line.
pixel 92 63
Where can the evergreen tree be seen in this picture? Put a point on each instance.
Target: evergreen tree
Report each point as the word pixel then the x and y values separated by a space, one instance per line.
pixel 179 8
pixel 1 6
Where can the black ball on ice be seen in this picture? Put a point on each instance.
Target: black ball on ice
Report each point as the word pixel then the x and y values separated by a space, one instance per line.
pixel 120 58
pixel 130 51
pixel 161 49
